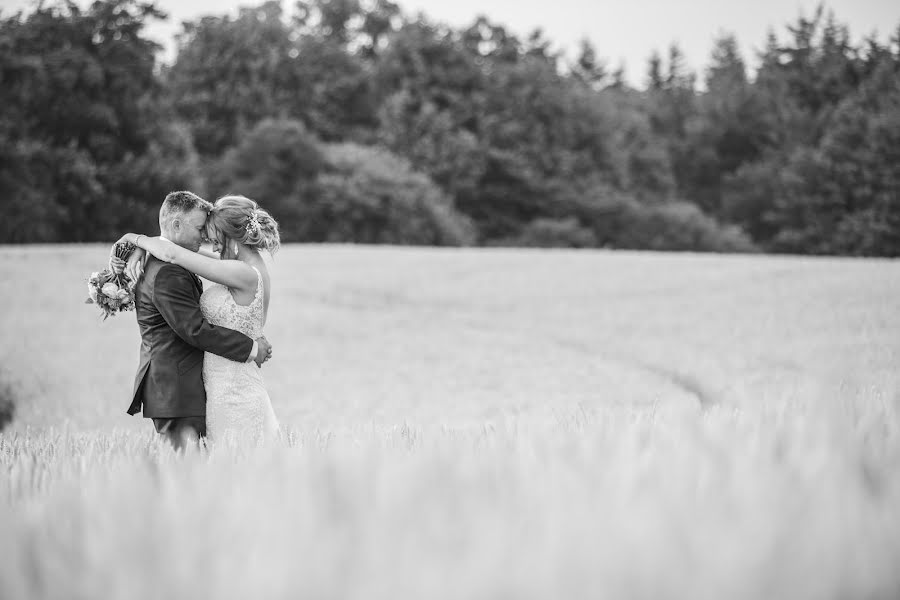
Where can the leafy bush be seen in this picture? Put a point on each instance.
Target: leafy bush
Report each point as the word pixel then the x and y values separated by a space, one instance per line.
pixel 620 221
pixel 370 195
pixel 276 164
pixel 337 193
pixel 556 233
pixel 680 226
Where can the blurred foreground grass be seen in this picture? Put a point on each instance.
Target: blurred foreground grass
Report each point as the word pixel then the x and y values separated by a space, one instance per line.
pixel 619 503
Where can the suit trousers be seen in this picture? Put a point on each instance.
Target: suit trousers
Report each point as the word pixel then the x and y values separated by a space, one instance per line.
pixel 175 427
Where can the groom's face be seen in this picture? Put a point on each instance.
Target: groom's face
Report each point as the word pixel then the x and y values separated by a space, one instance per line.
pixel 190 230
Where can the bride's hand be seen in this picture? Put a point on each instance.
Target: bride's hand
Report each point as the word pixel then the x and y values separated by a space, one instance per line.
pixel 116 265
pixel 134 268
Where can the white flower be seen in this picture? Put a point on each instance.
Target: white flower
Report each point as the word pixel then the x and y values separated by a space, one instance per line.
pixel 92 292
pixel 123 295
pixel 110 290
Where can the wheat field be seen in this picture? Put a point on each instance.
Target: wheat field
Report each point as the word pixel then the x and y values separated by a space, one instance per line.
pixel 475 423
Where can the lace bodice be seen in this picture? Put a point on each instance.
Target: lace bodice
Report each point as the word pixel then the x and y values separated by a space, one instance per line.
pixel 219 308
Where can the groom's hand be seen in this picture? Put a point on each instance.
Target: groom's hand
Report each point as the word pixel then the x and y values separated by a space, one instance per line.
pixel 265 351
pixel 134 268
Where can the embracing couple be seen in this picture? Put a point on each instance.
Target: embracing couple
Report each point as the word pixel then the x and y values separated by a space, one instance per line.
pixel 201 351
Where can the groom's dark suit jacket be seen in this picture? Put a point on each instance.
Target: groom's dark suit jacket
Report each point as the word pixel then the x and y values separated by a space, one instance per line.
pixel 174 335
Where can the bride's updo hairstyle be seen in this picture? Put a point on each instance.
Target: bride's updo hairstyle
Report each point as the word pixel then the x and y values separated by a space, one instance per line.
pixel 241 219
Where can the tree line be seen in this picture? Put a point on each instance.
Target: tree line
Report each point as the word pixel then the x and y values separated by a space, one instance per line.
pixel 353 122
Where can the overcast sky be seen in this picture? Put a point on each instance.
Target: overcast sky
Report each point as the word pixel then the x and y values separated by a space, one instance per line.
pixel 623 31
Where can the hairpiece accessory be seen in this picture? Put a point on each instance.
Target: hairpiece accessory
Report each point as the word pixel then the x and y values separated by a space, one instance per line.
pixel 252 223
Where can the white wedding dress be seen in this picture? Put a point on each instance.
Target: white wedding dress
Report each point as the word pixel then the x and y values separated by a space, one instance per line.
pixel 238 409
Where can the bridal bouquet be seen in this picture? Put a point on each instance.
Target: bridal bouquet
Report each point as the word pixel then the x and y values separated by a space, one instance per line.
pixel 111 292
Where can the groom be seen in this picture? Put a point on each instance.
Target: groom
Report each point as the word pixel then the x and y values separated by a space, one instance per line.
pixel 174 334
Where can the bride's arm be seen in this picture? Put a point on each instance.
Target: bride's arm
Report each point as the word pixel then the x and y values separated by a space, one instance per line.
pixel 232 273
pixel 208 253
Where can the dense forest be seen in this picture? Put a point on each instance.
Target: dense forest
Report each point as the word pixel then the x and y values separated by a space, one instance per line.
pixel 354 122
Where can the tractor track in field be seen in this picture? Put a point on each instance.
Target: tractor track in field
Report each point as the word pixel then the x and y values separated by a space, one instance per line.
pixel 683 381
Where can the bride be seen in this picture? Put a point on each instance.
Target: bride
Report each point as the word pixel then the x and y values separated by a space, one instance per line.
pixel 238 409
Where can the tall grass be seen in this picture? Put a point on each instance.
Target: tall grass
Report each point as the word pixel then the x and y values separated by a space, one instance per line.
pixel 612 503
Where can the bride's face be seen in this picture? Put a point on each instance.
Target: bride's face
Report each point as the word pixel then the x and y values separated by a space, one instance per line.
pixel 225 250
pixel 215 238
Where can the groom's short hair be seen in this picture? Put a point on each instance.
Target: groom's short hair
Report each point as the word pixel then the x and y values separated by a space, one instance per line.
pixel 178 203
